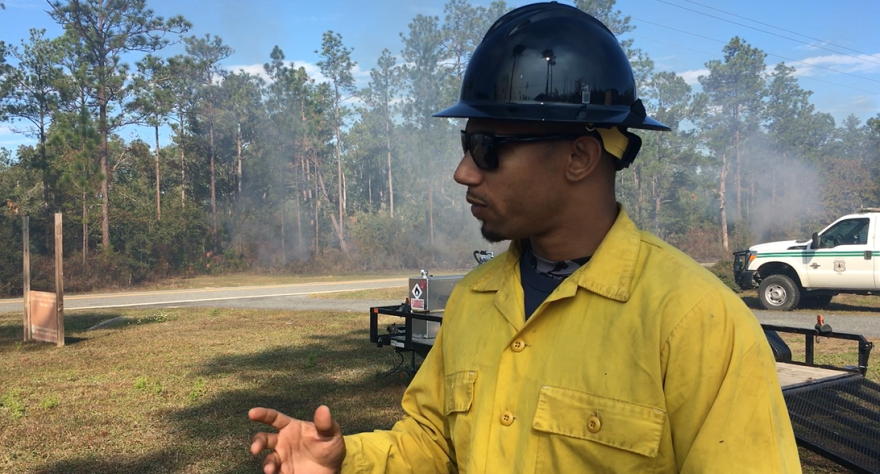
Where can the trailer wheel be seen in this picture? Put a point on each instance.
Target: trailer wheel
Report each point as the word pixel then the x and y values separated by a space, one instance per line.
pixel 779 292
pixel 815 302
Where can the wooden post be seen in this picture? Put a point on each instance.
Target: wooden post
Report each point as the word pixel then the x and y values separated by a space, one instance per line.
pixel 26 286
pixel 59 278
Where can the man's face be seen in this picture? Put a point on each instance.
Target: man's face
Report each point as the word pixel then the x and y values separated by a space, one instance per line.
pixel 518 199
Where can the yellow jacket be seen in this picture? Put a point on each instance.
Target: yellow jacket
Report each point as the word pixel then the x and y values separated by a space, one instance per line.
pixel 640 362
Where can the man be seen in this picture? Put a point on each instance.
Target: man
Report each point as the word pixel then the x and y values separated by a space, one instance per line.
pixel 589 346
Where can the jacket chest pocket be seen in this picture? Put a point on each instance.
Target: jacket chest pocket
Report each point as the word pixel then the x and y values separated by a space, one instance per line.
pixel 458 399
pixel 581 432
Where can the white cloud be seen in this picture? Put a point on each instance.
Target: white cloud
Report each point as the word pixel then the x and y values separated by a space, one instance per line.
pixel 854 64
pixel 312 70
pixel 253 69
pixel 691 77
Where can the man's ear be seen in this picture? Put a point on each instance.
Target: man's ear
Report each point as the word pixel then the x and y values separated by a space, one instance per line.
pixel 585 157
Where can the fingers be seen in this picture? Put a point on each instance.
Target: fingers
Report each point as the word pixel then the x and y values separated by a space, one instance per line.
pixel 324 424
pixel 270 417
pixel 263 441
pixel 271 463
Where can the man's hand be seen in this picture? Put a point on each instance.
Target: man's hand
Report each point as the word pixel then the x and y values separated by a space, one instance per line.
pixel 299 447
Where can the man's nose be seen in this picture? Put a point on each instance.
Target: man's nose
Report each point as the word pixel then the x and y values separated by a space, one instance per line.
pixel 467 173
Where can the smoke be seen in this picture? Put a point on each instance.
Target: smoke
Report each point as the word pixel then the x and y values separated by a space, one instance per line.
pixel 786 193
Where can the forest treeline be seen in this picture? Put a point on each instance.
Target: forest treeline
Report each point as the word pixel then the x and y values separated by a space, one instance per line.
pixel 280 172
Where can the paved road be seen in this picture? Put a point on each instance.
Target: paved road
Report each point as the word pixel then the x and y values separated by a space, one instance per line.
pixel 868 326
pixel 291 296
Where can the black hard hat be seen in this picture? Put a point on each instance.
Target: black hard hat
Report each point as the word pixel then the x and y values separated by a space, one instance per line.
pixel 554 63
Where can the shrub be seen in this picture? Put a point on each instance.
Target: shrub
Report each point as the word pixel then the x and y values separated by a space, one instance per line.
pixel 723 269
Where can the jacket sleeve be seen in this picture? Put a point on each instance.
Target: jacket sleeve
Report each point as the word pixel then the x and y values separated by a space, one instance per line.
pixel 724 401
pixel 419 443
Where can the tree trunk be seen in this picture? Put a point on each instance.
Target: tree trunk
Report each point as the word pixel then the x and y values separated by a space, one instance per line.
pixel 749 201
pixel 299 232
pixel 213 186
pixel 44 175
pixel 341 229
pixel 158 196
pixel 317 222
pixel 238 170
pixel 281 190
pixel 431 211
pixel 105 171
pixel 637 186
pixel 722 189
pixel 737 180
pixel 337 226
pixel 657 200
pixel 640 198
pixel 182 167
pixel 388 148
pixel 85 227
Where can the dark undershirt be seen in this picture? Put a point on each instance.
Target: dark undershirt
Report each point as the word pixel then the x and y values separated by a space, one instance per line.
pixel 540 277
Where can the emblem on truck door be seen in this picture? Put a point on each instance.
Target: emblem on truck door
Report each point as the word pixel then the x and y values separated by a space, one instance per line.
pixel 839 266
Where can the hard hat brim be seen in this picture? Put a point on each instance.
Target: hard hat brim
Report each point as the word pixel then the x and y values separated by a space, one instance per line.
pixel 610 116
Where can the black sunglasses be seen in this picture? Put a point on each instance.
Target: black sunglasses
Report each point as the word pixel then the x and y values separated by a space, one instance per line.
pixel 483 146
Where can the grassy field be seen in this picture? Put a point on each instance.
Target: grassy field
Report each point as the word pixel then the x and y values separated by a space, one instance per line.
pixel 258 279
pixel 167 391
pixel 394 293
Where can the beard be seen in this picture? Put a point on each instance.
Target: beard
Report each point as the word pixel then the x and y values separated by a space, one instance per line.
pixel 491 236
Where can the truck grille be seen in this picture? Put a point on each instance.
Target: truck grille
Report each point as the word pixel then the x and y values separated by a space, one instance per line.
pixel 739 261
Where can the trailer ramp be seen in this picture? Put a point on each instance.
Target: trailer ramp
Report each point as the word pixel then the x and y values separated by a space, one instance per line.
pixel 839 419
pixel 835 412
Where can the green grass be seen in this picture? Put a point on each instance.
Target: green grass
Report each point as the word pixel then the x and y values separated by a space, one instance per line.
pixel 168 390
pixel 261 279
pixel 394 293
pixel 171 393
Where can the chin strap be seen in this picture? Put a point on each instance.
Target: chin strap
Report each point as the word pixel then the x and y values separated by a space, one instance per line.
pixel 632 149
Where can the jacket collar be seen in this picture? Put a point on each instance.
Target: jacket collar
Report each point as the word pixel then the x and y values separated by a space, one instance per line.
pixel 609 272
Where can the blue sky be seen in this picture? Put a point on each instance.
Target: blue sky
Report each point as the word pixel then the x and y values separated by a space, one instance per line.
pixel 843 72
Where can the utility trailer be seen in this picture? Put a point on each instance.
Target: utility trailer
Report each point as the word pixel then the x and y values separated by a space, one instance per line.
pixel 835 411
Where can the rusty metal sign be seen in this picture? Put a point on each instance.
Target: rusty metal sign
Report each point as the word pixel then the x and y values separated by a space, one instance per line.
pixel 44 316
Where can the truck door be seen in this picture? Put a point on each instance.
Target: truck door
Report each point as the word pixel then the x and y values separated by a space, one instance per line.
pixel 874 242
pixel 841 261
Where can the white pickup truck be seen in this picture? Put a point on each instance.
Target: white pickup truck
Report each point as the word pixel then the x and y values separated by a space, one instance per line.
pixel 842 258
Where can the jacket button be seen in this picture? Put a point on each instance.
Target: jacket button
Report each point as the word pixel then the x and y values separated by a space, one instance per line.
pixel 507 418
pixel 518 345
pixel 594 424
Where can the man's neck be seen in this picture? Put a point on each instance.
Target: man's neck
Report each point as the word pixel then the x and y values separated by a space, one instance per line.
pixel 579 239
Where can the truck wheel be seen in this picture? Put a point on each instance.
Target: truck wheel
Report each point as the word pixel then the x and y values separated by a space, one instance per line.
pixel 779 292
pixel 815 302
